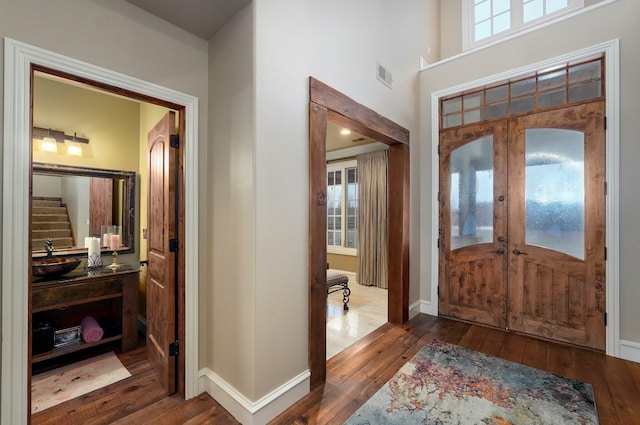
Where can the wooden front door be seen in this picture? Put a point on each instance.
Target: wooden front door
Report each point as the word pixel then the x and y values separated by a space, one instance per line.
pixel 522 224
pixel 473 227
pixel 162 258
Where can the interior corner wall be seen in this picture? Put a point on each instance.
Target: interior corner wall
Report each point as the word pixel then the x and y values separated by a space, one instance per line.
pixel 616 20
pixel 230 304
pixel 338 45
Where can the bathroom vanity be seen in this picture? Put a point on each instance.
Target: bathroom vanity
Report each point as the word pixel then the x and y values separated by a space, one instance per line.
pixel 60 304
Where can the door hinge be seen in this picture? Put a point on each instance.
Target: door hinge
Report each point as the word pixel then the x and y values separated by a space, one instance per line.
pixel 606 254
pixel 605 319
pixel 439 150
pixel 438 290
pixel 175 141
pixel 174 349
pixel 606 189
pixel 438 243
pixel 439 197
pixel 173 245
pixel 605 123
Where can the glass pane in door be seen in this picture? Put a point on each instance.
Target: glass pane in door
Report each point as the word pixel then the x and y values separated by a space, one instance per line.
pixel 471 193
pixel 554 193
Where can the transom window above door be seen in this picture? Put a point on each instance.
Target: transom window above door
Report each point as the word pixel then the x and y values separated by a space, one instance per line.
pixel 487 20
pixel 548 89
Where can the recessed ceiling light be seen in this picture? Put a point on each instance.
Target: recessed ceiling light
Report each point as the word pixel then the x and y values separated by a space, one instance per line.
pixel 345 131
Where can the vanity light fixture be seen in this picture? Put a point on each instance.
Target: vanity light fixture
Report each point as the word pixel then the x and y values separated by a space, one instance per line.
pixel 75 148
pixel 50 139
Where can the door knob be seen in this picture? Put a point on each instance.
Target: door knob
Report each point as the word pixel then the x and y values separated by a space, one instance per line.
pixel 518 252
pixel 500 251
pixel 500 238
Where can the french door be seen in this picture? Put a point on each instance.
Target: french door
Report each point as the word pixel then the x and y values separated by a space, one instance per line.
pixel 522 224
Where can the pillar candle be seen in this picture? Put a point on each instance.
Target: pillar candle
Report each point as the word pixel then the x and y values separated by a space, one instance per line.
pixel 94 246
pixel 115 242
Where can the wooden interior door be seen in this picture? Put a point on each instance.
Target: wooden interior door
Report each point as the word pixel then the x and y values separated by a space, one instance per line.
pixel 473 229
pixel 557 225
pixel 161 254
pixel 522 224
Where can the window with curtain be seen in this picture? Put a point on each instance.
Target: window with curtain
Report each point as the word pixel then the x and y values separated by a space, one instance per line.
pixel 342 207
pixel 488 20
pixel 372 261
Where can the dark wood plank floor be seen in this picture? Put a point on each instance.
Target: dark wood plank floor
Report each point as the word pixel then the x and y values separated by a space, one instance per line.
pixel 356 374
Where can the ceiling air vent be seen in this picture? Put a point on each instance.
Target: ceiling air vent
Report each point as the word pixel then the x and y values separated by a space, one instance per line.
pixel 384 75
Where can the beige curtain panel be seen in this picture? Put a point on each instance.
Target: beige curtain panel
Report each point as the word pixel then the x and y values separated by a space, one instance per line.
pixel 372 219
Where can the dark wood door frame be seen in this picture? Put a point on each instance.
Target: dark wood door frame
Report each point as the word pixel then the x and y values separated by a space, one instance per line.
pixel 327 104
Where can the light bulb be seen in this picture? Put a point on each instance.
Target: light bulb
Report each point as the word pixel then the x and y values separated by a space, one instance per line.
pixel 49 144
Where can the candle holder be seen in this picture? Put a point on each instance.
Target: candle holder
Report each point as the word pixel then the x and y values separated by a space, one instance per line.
pixel 114 264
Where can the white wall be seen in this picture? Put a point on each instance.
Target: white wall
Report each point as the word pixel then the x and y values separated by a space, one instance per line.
pixel 231 185
pixel 338 43
pixel 260 65
pixel 602 24
pixel 118 36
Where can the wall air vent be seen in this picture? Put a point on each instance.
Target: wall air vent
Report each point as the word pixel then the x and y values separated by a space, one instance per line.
pixel 384 75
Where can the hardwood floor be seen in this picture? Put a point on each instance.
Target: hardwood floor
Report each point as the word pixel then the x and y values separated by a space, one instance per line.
pixel 136 400
pixel 356 373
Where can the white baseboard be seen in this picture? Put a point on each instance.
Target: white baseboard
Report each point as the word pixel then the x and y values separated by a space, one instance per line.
pixel 416 308
pixel 630 350
pixel 259 412
pixel 423 306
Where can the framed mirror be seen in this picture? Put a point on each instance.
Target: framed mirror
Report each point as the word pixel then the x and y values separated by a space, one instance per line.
pixel 69 204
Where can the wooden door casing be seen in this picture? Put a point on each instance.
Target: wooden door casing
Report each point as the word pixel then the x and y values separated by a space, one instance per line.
pixel 162 227
pixel 100 204
pixel 473 278
pixel 553 294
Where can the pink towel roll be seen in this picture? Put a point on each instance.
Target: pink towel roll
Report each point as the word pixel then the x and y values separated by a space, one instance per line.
pixel 91 330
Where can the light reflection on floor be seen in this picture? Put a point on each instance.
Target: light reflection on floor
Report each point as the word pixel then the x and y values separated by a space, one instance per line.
pixel 367 312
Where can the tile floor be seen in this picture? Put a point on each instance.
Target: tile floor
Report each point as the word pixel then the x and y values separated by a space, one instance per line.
pixel 367 312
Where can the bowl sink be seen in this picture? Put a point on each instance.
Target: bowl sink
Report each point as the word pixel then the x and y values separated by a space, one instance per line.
pixel 54 266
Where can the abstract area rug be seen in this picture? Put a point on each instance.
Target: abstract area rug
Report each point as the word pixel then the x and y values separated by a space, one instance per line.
pixel 447 384
pixel 59 385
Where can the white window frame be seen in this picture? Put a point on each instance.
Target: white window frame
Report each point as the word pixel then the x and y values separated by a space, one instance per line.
pixel 517 24
pixel 337 166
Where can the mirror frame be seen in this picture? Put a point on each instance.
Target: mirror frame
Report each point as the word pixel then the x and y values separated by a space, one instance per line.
pixel 128 209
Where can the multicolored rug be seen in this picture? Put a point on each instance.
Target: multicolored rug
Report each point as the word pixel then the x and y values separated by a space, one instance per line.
pixel 63 384
pixel 447 384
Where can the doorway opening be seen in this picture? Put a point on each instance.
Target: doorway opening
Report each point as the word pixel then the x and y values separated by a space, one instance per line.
pixel 116 123
pixel 328 105
pixel 356 237
pixel 17 167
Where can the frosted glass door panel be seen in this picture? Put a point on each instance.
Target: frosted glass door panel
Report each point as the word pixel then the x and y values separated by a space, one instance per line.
pixel 554 197
pixel 472 193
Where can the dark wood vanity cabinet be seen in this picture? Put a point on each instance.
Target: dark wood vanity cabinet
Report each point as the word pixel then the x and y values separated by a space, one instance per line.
pixel 110 296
